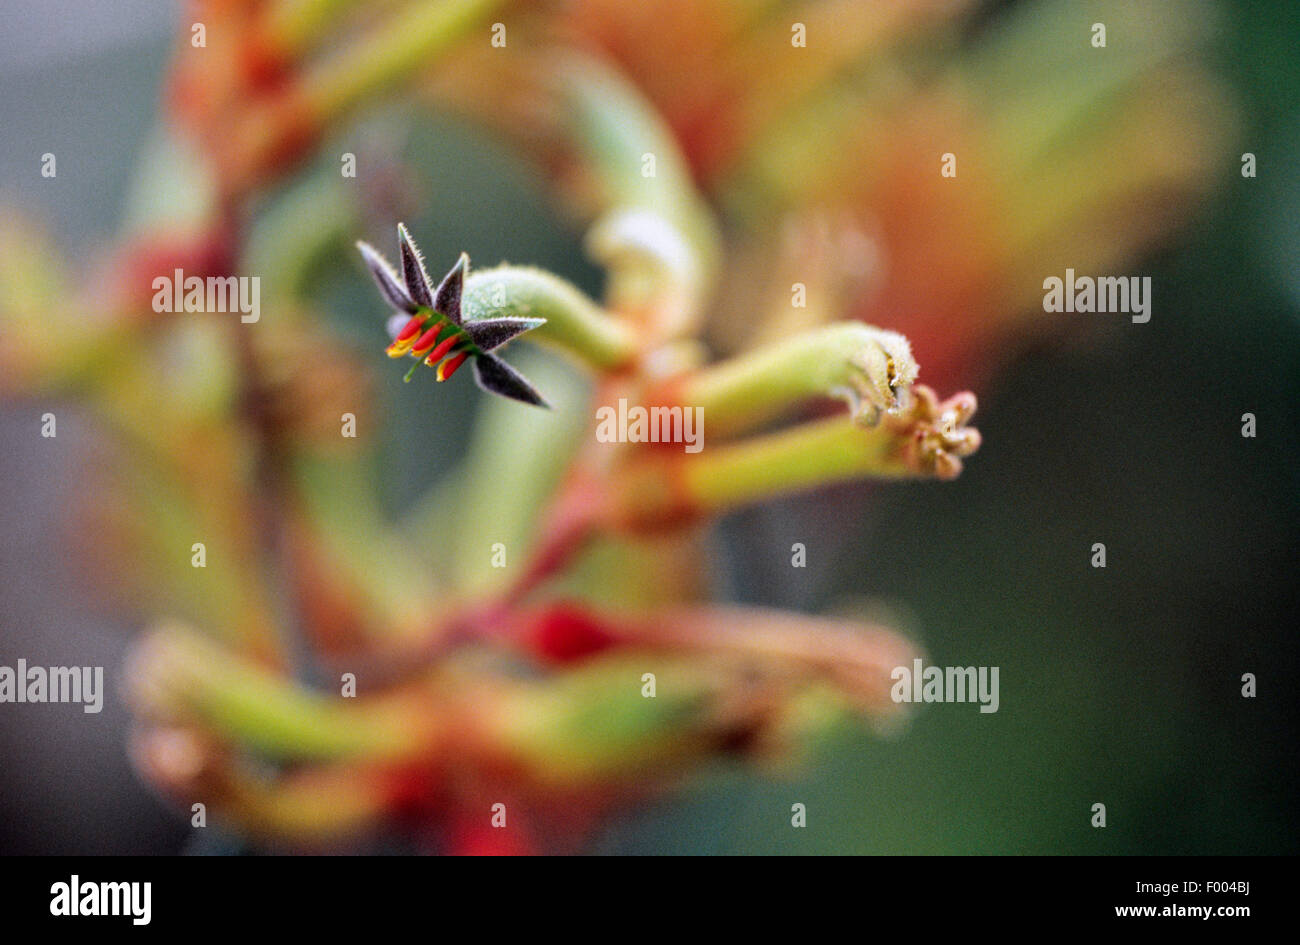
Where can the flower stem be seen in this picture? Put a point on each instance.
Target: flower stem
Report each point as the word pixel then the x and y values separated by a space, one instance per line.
pixel 294 25
pixel 926 439
pixel 177 674
pixel 574 323
pixel 811 454
pixel 656 235
pixel 865 365
pixel 401 45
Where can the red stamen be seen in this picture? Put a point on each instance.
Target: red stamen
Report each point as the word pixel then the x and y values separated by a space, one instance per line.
pixel 414 325
pixel 447 368
pixel 440 352
pixel 426 341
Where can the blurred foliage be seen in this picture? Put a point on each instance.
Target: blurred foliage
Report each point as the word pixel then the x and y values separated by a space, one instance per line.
pixel 1120 686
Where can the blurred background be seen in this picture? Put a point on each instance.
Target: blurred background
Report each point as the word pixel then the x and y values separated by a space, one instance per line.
pixel 1120 686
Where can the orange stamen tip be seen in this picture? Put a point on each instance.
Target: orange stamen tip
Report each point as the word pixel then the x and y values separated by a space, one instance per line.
pixel 447 368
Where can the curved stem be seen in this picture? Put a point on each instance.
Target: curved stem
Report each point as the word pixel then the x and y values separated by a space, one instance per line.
pixel 294 25
pixel 177 674
pixel 927 439
pixel 574 323
pixel 867 366
pixel 656 236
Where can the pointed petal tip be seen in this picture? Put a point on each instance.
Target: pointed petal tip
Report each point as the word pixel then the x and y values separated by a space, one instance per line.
pixel 491 333
pixel 417 279
pixel 389 285
pixel 496 377
pixel 447 297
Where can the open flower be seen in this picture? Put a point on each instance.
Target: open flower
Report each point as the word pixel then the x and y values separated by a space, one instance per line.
pixel 435 331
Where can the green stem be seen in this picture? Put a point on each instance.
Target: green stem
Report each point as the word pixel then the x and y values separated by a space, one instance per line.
pixel 593 724
pixel 399 588
pixel 574 323
pixel 794 460
pixel 863 364
pixel 179 673
pixel 657 235
pixel 294 25
pixel 407 41
pixel 663 491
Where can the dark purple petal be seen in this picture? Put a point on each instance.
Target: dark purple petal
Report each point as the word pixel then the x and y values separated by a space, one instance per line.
pixel 386 279
pixel 495 376
pixel 417 280
pixel 489 333
pixel 446 300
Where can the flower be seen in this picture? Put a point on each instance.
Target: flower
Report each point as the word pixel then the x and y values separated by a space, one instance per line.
pixel 436 332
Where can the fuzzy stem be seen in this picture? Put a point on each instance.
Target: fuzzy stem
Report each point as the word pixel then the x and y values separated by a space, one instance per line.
pixel 926 439
pixel 809 455
pixel 855 654
pixel 590 725
pixel 294 25
pixel 574 323
pixel 860 363
pixel 311 804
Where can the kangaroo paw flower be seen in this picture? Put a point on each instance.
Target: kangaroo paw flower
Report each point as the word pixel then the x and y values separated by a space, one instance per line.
pixel 437 332
pixel 879 375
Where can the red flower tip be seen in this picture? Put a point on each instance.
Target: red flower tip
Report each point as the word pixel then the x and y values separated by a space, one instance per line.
pixel 425 342
pixel 440 352
pixel 447 368
pixel 402 343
